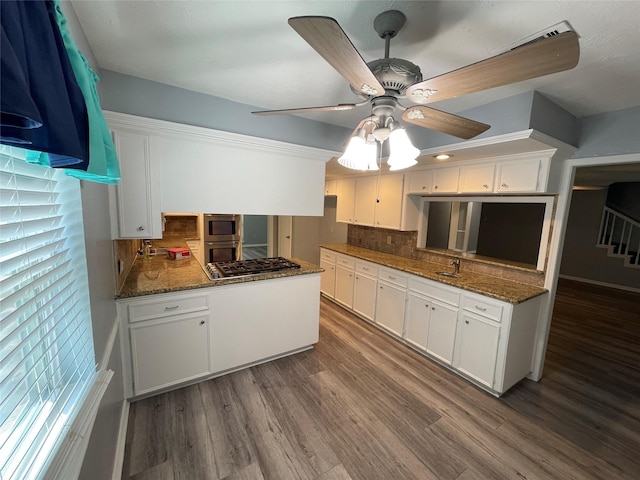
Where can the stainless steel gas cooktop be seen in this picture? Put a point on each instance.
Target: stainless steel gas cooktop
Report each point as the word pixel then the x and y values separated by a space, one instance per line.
pixel 236 268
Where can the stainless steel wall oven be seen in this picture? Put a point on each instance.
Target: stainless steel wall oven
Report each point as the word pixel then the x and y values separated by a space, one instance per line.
pixel 222 238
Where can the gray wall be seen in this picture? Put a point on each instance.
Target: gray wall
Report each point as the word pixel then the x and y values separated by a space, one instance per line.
pixel 136 96
pixel 330 230
pixel 611 133
pixel 580 257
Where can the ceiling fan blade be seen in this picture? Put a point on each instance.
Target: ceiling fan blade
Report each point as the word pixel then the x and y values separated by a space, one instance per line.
pixel 531 60
pixel 329 40
pixel 328 108
pixel 444 122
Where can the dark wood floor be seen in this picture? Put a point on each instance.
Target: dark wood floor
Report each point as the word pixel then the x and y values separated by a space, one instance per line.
pixel 362 406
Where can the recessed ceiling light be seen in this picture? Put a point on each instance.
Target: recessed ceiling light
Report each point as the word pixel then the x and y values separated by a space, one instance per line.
pixel 442 156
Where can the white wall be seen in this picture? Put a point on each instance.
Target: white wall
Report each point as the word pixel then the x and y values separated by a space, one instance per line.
pixel 101 451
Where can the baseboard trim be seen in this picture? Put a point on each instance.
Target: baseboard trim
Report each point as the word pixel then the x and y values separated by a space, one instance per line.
pixel 601 284
pixel 118 461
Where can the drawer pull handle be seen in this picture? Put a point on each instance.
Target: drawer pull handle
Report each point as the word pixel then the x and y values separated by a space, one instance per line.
pixel 168 309
pixel 391 278
pixel 202 322
pixel 365 268
pixel 482 309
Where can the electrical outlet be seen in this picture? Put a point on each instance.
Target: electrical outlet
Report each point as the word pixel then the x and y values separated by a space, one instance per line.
pixel 120 266
pixel 388 239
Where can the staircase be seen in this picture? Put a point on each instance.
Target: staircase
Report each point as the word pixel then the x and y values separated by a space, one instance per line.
pixel 621 236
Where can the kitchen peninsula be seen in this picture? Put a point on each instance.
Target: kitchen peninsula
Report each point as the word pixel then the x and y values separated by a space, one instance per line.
pixel 180 327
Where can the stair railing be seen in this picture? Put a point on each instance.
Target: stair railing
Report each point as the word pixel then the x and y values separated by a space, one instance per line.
pixel 621 234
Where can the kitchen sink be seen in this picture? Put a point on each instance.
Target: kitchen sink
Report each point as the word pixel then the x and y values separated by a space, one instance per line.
pixel 448 274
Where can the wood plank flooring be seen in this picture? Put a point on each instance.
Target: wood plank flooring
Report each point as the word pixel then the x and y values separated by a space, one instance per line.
pixel 362 406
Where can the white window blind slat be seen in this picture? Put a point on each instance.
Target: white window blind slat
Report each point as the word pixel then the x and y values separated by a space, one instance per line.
pixel 46 344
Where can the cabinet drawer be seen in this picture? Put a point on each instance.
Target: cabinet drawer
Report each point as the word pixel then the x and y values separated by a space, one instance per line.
pixel 393 276
pixel 345 261
pixel 145 310
pixel 327 255
pixel 481 306
pixel 366 268
pixel 445 294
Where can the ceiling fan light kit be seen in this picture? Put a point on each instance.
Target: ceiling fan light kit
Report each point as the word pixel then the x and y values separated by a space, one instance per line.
pixel 381 82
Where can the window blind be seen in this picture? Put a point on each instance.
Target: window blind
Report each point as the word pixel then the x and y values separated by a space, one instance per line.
pixel 47 362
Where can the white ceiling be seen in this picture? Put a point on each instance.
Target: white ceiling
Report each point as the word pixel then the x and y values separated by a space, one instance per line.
pixel 246 52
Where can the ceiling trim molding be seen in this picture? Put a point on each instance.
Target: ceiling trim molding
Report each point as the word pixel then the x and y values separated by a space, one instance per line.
pixel 217 136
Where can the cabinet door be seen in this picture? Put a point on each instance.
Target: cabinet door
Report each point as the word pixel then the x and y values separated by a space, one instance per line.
pixel 416 322
pixel 389 208
pixel 170 351
pixel 345 205
pixel 364 296
pixel 328 278
pixel 477 178
pixel 365 204
pixel 518 176
pixel 419 182
pixel 476 347
pixel 445 180
pixel 344 286
pixel 137 200
pixel 390 304
pixel 442 331
pixel 330 187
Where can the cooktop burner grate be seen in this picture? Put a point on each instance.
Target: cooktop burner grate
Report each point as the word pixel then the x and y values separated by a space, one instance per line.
pixel 235 268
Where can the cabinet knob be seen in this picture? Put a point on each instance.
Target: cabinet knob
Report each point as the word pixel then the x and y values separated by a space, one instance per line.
pixel 467 322
pixel 485 185
pixel 424 187
pixel 202 322
pixel 435 187
pixel 140 228
pixel 505 185
pixel 433 308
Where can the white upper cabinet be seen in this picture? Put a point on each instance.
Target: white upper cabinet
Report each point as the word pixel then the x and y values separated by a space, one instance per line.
pixel 519 176
pixel 205 170
pixel 419 183
pixel 477 178
pixel 135 201
pixel 445 180
pixel 389 208
pixel 365 205
pixel 346 204
pixel 330 187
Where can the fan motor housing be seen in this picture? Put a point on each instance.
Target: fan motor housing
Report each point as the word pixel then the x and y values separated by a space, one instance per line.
pixel 394 74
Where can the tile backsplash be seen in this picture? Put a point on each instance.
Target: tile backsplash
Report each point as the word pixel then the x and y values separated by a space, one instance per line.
pixel 404 244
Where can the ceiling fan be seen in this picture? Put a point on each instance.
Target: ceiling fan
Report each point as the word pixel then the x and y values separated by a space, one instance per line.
pixel 384 82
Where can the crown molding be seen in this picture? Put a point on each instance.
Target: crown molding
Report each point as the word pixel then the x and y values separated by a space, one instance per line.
pixel 237 140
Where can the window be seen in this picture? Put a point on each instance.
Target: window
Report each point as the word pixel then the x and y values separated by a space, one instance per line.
pixel 47 363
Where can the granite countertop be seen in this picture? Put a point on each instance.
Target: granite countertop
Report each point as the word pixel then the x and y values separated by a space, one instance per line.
pixel 159 274
pixel 505 290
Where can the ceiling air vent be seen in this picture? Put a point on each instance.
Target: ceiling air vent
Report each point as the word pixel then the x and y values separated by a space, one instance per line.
pixel 552 31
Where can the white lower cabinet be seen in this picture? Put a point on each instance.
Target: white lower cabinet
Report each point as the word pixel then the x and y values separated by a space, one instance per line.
pixel 390 304
pixel 328 278
pixel 477 348
pixel 169 351
pixel 364 296
pixel 345 279
pixel 442 331
pixel 416 322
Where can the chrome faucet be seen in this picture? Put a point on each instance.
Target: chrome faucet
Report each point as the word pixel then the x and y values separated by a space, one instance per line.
pixel 456 266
